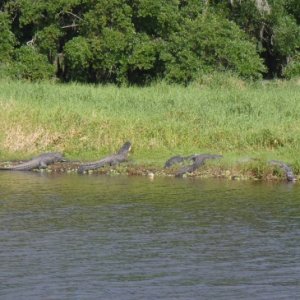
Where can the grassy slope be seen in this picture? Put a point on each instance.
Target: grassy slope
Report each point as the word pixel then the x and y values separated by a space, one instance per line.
pixel 87 122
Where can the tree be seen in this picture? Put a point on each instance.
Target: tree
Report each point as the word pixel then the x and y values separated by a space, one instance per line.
pixel 7 39
pixel 137 41
pixel 78 57
pixel 210 42
pixel 273 26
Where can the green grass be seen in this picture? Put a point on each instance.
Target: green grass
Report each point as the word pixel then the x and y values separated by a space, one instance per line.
pixel 237 120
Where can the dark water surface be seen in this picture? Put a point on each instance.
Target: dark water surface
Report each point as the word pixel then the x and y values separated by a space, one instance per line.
pixel 99 237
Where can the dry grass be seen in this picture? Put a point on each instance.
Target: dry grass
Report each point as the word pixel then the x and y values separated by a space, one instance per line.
pixel 19 139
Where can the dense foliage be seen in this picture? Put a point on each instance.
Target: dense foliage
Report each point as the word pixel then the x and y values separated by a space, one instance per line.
pixel 138 41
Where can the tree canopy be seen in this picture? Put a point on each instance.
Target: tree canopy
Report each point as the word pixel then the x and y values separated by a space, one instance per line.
pixel 137 41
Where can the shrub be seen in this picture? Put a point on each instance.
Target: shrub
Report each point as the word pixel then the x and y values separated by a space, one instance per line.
pixel 78 57
pixel 292 69
pixel 31 65
pixel 47 41
pixel 7 39
pixel 210 42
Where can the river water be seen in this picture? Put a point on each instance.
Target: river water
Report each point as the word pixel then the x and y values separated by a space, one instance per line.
pixel 101 237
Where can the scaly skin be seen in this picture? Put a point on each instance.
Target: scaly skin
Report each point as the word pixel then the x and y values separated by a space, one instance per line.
pixel 287 169
pixel 199 160
pixel 114 159
pixel 177 160
pixel 39 162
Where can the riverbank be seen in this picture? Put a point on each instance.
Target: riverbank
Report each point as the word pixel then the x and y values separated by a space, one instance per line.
pixel 242 170
pixel 240 121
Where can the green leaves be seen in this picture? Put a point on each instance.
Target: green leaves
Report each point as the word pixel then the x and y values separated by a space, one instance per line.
pixel 287 36
pixel 48 40
pixel 137 41
pixel 77 59
pixel 210 42
pixel 274 24
pixel 7 39
pixel 31 65
pixel 292 69
pixel 112 14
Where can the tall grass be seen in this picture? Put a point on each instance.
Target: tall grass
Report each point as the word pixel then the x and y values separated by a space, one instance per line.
pixel 161 120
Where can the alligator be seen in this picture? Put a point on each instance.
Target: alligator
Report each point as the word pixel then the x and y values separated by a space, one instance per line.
pixel 286 168
pixel 176 160
pixel 199 160
pixel 119 157
pixel 39 162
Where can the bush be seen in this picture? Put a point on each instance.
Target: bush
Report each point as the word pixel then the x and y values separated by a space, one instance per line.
pixel 209 43
pixel 286 36
pixel 78 57
pixel 47 41
pixel 292 69
pixel 31 65
pixel 7 39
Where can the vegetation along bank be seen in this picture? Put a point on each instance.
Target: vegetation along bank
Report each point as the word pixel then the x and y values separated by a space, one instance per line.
pixel 141 41
pixel 248 124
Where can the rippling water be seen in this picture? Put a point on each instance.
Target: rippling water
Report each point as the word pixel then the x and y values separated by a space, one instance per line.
pixel 99 237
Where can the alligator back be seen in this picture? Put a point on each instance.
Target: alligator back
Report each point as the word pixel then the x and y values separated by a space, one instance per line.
pixel 40 161
pixel 114 159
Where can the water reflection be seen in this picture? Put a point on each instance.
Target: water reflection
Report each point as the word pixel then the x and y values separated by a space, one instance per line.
pixel 100 237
